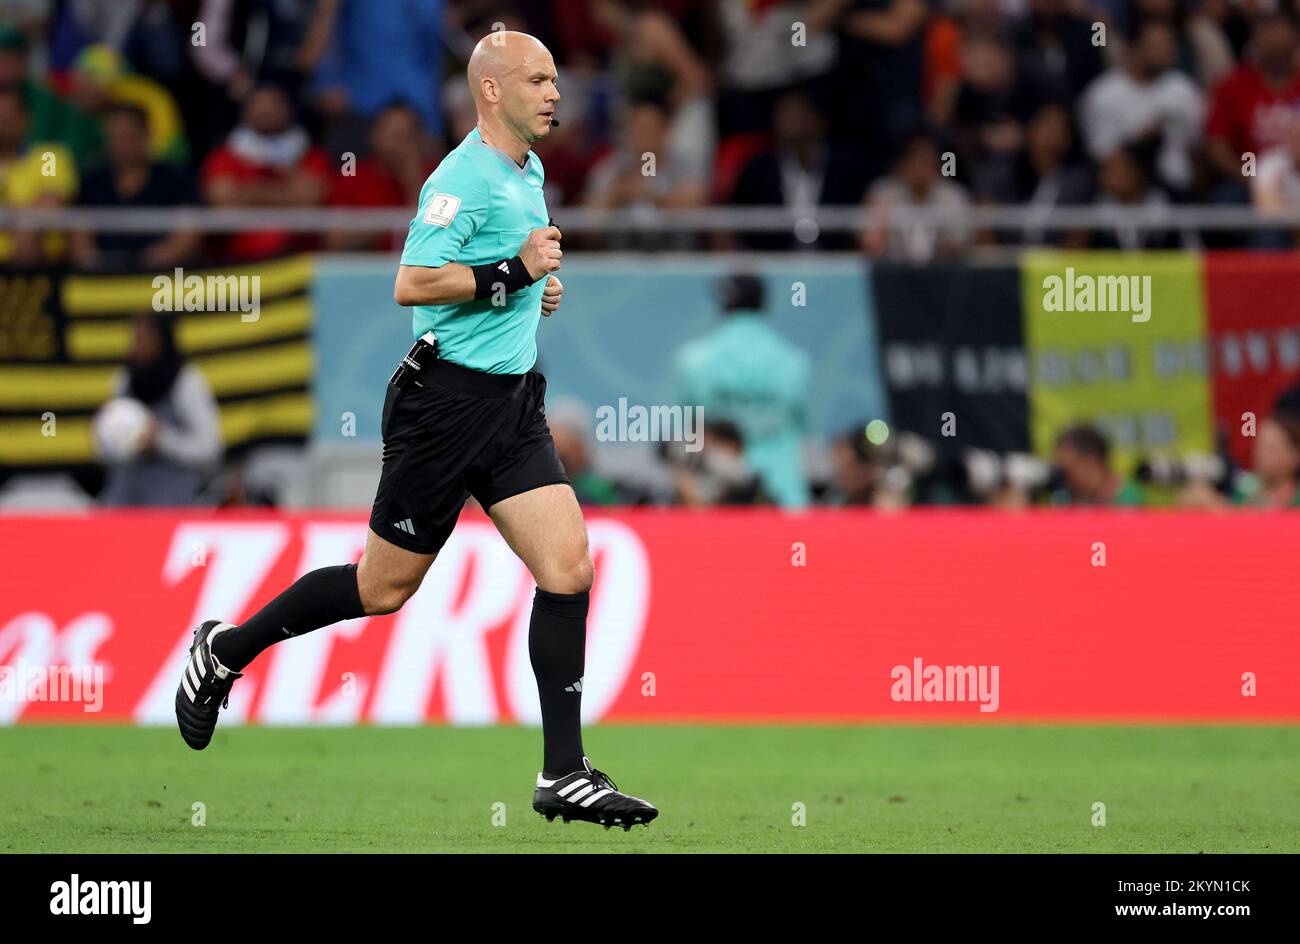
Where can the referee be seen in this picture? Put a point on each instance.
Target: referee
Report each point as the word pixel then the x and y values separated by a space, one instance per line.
pixel 464 415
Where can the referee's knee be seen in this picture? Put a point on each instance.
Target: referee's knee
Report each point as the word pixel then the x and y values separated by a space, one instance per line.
pixel 385 599
pixel 575 577
pixel 381 595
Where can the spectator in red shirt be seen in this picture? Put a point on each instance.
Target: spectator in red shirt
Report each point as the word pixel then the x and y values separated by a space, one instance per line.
pixel 268 161
pixel 1250 109
pixel 402 157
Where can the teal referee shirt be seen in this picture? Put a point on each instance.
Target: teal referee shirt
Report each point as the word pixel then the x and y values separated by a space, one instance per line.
pixel 479 206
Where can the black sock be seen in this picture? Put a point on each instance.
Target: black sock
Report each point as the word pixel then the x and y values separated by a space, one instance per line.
pixel 316 599
pixel 557 647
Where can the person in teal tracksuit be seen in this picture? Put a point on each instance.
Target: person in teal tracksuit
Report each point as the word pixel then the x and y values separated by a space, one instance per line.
pixel 746 372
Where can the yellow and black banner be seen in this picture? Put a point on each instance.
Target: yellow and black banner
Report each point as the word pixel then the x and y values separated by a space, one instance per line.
pixel 63 335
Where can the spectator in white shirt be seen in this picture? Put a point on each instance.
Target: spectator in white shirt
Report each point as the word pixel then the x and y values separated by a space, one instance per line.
pixel 182 447
pixel 1145 97
pixel 917 183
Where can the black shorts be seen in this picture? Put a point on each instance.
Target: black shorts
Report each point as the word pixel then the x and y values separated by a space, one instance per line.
pixel 459 432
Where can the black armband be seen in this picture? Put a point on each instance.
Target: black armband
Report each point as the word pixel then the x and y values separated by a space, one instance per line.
pixel 510 273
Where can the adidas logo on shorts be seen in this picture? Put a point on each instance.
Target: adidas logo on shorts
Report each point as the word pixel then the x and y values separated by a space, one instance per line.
pixel 405 525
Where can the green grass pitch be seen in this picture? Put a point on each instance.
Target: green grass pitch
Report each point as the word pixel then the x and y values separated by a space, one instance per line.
pixel 999 788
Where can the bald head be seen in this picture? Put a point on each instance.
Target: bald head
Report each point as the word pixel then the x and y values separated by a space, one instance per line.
pixel 500 54
pixel 512 77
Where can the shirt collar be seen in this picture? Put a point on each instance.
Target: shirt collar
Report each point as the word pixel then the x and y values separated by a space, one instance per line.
pixel 502 155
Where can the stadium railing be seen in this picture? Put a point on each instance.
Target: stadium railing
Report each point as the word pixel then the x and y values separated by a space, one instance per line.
pixel 583 220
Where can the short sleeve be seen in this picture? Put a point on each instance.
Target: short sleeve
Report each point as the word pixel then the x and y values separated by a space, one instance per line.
pixel 453 206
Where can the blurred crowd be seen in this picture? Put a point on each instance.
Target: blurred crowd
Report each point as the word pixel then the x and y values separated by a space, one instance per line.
pixel 734 433
pixel 871 466
pixel 890 472
pixel 752 386
pixel 801 103
pixel 883 104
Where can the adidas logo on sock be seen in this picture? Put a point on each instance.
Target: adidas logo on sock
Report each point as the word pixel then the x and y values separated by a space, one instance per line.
pixel 575 687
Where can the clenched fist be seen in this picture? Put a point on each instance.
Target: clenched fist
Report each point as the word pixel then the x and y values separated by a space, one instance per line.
pixel 541 252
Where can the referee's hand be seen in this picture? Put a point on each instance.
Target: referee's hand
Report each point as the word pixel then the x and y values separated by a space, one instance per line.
pixel 541 252
pixel 551 295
